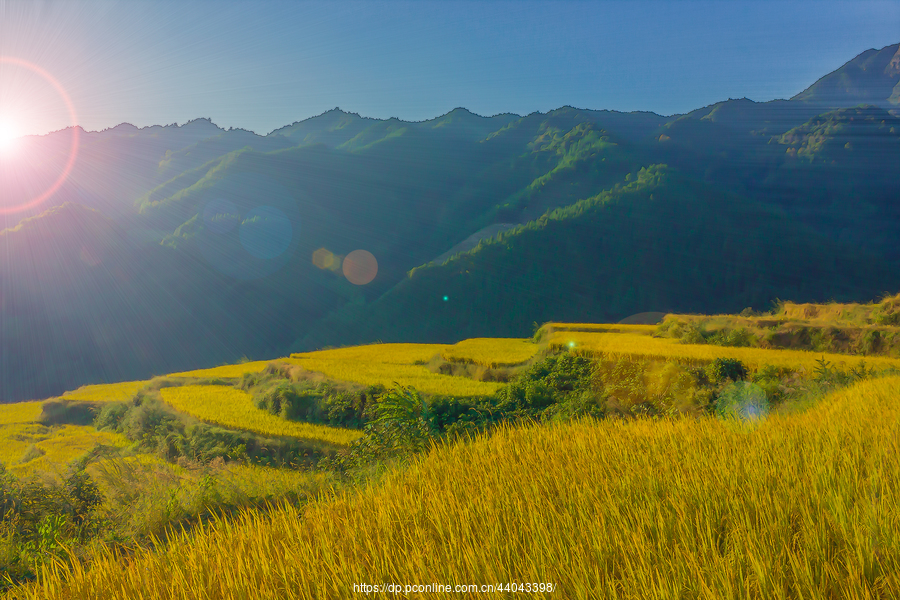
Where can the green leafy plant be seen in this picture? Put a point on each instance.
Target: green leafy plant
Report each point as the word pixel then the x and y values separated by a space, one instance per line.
pixel 722 369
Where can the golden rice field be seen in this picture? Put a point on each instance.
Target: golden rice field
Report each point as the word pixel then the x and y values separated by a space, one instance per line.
pixel 801 506
pixel 105 392
pixel 226 371
pixel 20 412
pixel 389 354
pixel 234 408
pixel 27 448
pixel 491 352
pixel 632 344
pixel 387 364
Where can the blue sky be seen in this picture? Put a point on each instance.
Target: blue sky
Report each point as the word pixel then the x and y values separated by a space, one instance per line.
pixel 262 64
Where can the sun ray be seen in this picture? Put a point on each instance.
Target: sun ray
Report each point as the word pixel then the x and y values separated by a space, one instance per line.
pixel 9 133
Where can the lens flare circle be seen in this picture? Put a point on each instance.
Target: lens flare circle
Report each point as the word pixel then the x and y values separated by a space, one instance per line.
pixel 743 402
pixel 360 267
pixel 73 147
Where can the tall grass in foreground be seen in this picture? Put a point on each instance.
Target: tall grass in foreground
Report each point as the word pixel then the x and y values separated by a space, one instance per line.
pixel 804 506
pixel 148 496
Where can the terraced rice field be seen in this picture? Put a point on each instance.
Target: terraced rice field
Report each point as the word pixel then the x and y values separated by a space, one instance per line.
pixel 633 344
pixel 601 327
pixel 26 448
pixel 225 371
pixel 387 364
pixel 105 392
pixel 491 352
pixel 234 409
pixel 20 412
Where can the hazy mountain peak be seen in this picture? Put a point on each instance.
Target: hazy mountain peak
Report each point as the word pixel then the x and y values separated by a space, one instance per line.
pixel 332 127
pixel 123 128
pixel 204 124
pixel 870 78
pixel 462 111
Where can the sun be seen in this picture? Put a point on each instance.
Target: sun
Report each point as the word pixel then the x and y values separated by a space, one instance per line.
pixel 9 133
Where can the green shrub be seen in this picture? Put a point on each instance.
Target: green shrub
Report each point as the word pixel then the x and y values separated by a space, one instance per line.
pixel 249 381
pixel 693 333
pixel 671 326
pixel 146 420
pixel 771 379
pixel 293 401
pixel 82 497
pixel 403 421
pixel 351 409
pixel 56 412
pixel 583 404
pixel 871 342
pixel 110 416
pixel 739 338
pixel 445 412
pixel 722 369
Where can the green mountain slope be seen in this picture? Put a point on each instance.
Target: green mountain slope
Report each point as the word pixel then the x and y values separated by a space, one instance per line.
pixel 660 243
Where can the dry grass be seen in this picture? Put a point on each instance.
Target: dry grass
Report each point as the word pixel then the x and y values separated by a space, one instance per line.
pixel 630 344
pixel 492 353
pixel 387 364
pixel 793 507
pixel 850 313
pixel 234 408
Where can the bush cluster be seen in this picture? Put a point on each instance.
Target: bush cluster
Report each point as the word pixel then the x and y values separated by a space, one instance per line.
pixel 156 428
pixel 320 403
pixel 403 421
pixel 40 520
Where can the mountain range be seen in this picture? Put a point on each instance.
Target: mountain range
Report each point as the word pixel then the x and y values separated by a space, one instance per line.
pixel 170 248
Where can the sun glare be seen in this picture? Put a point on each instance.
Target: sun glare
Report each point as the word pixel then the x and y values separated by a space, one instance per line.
pixel 9 133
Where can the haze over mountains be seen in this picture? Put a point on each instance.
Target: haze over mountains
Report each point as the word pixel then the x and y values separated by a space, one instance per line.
pixel 169 248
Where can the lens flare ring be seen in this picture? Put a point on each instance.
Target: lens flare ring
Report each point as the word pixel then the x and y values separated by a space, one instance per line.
pixel 73 148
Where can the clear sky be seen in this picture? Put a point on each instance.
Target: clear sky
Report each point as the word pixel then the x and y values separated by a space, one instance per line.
pixel 263 64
